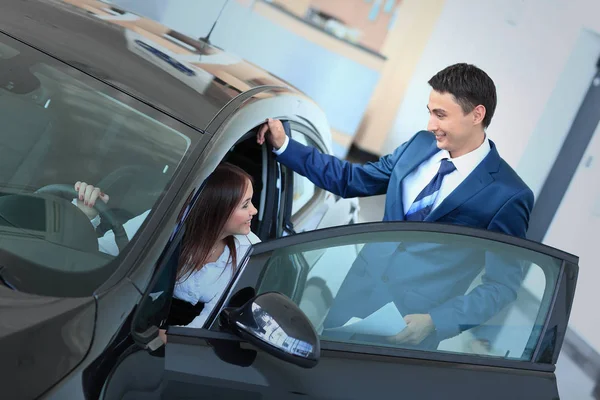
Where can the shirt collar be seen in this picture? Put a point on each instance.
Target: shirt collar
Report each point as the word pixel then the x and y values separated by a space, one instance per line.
pixel 466 163
pixel 223 258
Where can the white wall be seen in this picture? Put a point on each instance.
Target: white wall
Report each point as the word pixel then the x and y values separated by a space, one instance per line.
pixel 560 110
pixel 523 45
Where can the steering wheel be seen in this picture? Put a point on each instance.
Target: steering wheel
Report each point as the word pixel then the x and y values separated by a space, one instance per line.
pixel 68 192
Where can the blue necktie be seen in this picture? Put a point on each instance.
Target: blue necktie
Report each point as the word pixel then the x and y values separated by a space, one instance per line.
pixel 424 202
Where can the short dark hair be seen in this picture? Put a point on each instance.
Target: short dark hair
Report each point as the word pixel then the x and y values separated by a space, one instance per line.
pixel 470 86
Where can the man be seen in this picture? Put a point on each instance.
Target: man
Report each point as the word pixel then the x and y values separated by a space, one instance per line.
pixel 450 173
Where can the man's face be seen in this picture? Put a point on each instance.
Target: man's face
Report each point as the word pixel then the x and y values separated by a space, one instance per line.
pixel 455 131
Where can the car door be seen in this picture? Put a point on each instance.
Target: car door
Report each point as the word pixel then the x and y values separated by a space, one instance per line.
pixel 306 206
pixel 354 284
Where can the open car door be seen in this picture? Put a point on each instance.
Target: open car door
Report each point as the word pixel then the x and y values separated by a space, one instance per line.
pixel 317 315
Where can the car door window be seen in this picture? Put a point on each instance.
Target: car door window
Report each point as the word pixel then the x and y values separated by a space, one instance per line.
pixel 306 194
pixel 487 296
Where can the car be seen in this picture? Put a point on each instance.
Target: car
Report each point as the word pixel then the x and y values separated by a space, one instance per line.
pixel 89 91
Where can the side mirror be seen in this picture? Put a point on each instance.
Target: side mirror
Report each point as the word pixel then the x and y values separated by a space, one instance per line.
pixel 273 323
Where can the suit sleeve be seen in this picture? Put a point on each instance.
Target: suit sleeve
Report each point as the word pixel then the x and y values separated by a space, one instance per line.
pixel 340 177
pixel 501 280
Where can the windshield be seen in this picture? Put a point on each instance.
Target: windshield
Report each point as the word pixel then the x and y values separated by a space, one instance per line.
pixel 59 127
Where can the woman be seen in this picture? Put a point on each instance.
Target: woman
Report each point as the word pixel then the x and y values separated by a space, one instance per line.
pixel 214 241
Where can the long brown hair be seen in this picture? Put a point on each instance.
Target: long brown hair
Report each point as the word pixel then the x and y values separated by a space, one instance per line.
pixel 223 191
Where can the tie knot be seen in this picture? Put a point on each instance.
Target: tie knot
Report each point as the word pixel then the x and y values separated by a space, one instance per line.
pixel 446 167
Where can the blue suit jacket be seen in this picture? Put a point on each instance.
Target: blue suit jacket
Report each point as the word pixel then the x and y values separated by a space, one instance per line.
pixel 426 278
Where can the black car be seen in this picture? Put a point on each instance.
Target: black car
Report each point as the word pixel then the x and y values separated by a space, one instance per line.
pixel 91 92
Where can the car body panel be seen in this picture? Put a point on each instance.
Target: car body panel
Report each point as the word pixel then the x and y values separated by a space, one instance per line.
pixel 340 375
pixel 41 337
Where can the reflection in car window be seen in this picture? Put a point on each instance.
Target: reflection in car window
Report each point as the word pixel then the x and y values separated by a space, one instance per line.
pixel 304 189
pixel 485 297
pixel 59 127
pixel 7 52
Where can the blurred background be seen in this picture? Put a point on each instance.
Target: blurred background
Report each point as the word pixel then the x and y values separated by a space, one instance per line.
pixel 367 63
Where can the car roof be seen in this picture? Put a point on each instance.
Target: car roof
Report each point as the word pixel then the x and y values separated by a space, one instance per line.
pixel 184 77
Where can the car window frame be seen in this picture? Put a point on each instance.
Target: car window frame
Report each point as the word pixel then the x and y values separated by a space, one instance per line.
pixel 320 194
pixel 194 186
pixel 252 266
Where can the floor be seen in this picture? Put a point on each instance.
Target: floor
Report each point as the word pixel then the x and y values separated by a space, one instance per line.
pixel 573 383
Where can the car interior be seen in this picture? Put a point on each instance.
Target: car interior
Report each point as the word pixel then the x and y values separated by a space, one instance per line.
pixel 259 162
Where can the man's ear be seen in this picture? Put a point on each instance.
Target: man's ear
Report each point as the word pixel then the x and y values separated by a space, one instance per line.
pixel 478 114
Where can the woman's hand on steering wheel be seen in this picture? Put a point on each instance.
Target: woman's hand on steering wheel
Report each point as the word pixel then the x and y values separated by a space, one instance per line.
pixel 87 197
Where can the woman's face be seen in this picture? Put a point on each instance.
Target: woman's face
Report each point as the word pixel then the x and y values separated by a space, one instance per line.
pixel 239 222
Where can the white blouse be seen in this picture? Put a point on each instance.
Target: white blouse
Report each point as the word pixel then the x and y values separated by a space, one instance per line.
pixel 207 284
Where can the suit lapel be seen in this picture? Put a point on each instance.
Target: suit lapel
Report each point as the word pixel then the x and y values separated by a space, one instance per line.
pixel 473 184
pixel 418 154
pixel 419 151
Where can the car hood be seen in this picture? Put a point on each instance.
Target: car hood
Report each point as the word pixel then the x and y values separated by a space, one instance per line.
pixel 187 78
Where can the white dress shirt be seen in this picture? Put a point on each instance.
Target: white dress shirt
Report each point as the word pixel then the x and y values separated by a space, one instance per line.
pixel 282 148
pixel 208 284
pixel 416 181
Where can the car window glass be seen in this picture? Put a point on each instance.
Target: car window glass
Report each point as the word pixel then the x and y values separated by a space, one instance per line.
pixel 60 126
pixel 304 190
pixel 484 297
pixel 7 52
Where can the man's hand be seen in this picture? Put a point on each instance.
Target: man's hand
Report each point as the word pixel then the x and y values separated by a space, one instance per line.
pixel 87 196
pixel 418 327
pixel 274 133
